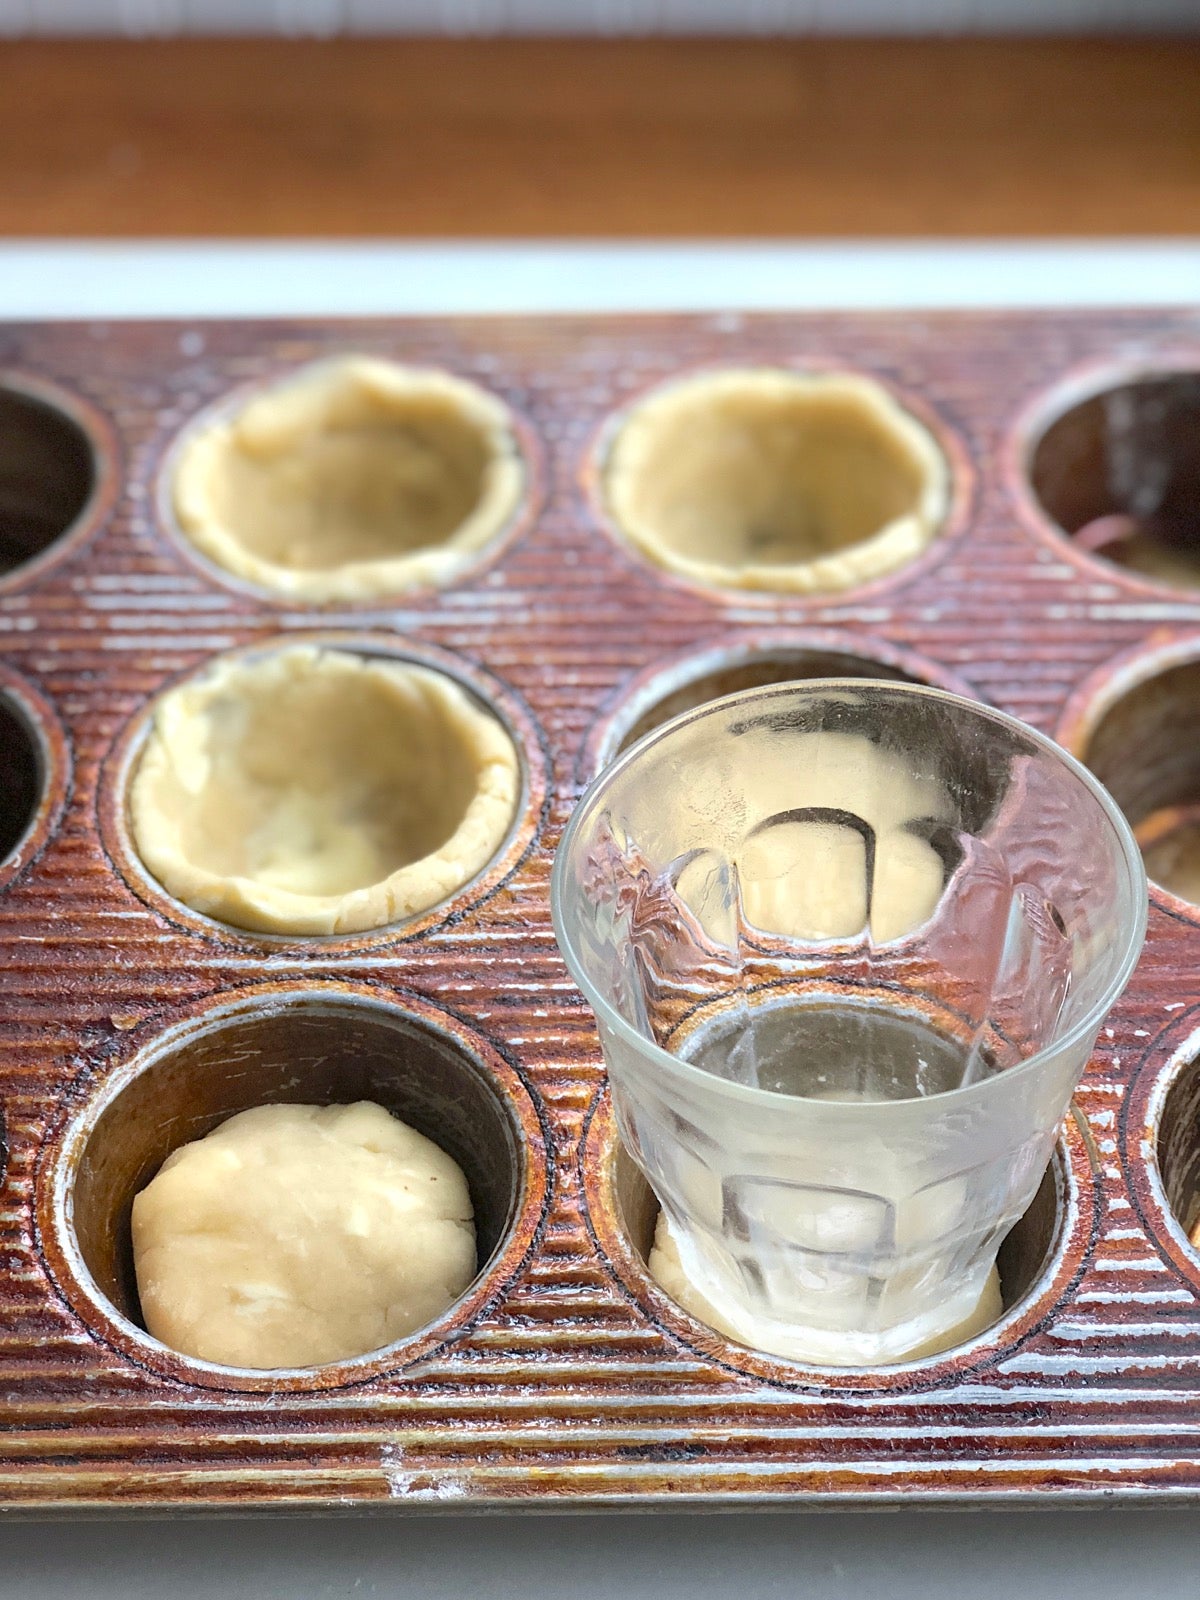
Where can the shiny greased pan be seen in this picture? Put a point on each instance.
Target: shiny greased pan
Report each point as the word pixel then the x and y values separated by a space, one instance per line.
pixel 564 1376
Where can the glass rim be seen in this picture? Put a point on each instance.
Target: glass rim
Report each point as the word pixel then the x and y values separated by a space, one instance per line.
pixel 751 1094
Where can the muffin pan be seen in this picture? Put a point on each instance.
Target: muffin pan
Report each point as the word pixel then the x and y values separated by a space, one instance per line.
pixel 133 1022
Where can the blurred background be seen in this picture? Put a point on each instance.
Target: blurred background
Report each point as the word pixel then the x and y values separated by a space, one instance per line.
pixel 588 16
pixel 599 118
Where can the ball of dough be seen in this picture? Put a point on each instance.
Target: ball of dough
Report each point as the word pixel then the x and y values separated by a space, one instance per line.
pixel 295 1235
pixel 355 479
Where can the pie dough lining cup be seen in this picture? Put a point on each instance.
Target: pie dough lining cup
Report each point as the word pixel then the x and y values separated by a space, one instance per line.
pixel 355 479
pixel 758 478
pixel 313 791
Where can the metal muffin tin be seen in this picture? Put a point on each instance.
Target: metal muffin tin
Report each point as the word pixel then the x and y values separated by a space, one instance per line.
pixel 564 1377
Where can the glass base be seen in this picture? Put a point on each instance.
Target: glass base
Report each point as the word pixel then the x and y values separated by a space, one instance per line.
pixel 960 1317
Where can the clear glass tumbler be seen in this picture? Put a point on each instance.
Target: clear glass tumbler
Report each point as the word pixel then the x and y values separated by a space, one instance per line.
pixel 849 945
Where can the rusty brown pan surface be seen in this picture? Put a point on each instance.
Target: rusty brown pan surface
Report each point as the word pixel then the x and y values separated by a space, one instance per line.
pixel 564 1377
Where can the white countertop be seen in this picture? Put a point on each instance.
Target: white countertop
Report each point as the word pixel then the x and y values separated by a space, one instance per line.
pixel 1102 1553
pixel 173 279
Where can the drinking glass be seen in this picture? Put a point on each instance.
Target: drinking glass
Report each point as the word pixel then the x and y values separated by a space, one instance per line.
pixel 848 945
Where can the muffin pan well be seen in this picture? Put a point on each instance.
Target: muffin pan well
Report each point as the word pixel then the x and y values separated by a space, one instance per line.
pixel 53 470
pixel 1136 724
pixel 669 689
pixel 20 777
pixel 1117 469
pixel 322 1044
pixel 1036 1263
pixel 133 1022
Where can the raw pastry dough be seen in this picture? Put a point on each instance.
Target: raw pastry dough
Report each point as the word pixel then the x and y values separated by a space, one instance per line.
pixel 807 879
pixel 765 479
pixel 356 479
pixel 314 791
pixel 667 1270
pixel 294 1235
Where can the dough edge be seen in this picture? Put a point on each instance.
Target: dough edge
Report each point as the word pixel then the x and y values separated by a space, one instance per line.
pixel 391 384
pixel 895 545
pixel 405 893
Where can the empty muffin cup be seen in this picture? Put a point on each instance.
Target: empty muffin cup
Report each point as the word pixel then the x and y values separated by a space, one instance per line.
pixel 354 480
pixel 22 777
pixel 1178 1147
pixel 48 474
pixel 1143 747
pixel 765 479
pixel 312 791
pixel 1120 473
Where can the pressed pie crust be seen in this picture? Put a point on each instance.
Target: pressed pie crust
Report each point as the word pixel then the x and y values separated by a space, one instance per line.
pixel 354 480
pixel 764 479
pixel 312 791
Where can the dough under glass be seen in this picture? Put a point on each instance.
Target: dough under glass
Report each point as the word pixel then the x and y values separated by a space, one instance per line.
pixel 808 879
pixel 356 479
pixel 668 1271
pixel 767 479
pixel 312 791
pixel 294 1235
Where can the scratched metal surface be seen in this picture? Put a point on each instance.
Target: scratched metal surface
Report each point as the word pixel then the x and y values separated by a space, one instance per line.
pixel 572 1382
